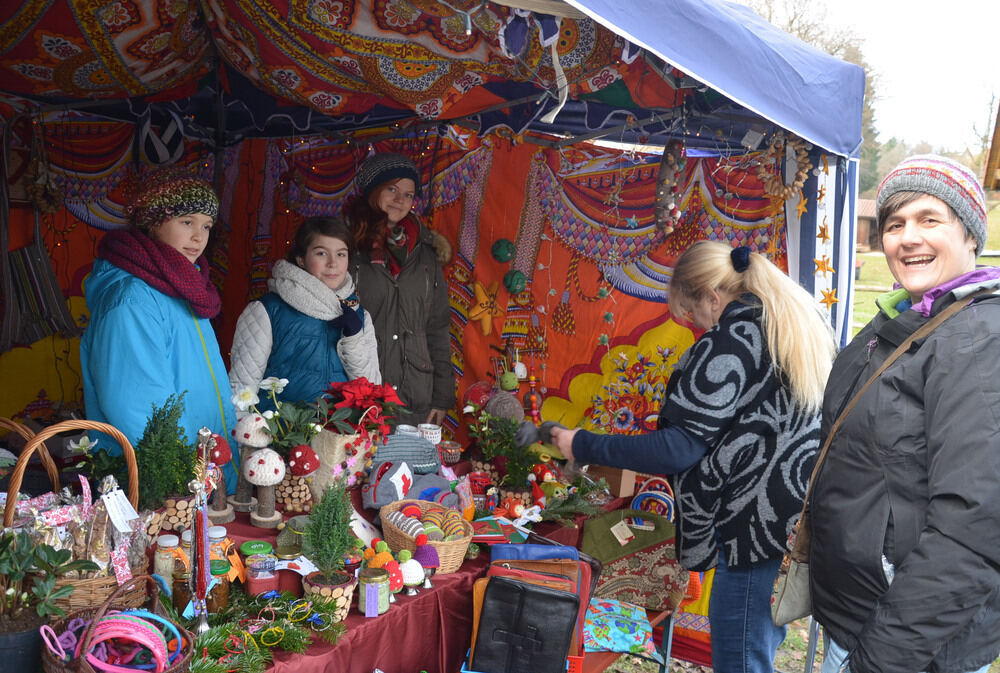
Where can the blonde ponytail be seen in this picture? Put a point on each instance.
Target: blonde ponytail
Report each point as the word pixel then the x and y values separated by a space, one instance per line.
pixel 799 337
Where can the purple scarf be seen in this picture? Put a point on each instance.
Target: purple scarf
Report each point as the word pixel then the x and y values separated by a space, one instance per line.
pixel 163 268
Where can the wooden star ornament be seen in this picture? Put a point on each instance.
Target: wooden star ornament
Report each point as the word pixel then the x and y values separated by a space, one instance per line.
pixel 823 265
pixel 485 306
pixel 829 298
pixel 824 231
pixel 803 206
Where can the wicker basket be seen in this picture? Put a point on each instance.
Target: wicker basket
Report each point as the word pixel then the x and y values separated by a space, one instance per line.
pixel 142 583
pixel 451 553
pixel 43 451
pixel 92 591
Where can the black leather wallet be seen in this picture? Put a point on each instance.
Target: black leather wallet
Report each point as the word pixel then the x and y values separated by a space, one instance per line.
pixel 524 628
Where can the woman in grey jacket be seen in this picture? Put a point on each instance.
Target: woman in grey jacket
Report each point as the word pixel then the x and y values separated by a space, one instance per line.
pixel 399 280
pixel 905 511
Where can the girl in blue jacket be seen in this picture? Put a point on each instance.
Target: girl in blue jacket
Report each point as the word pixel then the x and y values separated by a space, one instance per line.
pixel 150 301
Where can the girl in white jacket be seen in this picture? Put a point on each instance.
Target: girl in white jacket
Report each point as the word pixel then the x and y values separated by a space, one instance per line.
pixel 310 328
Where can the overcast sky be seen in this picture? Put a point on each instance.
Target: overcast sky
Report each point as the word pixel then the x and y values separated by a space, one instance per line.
pixel 937 63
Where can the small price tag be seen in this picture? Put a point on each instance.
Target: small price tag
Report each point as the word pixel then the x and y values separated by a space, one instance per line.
pixel 120 510
pixel 622 533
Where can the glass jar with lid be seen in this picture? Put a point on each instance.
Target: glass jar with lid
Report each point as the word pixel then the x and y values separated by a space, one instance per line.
pixel 373 591
pixel 186 548
pixel 167 547
pixel 181 594
pixel 218 596
pixel 217 542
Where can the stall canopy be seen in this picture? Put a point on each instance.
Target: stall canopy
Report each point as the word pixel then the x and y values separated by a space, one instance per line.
pixel 640 70
pixel 749 135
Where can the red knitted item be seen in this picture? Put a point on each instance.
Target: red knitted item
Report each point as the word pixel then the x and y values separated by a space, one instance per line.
pixel 163 267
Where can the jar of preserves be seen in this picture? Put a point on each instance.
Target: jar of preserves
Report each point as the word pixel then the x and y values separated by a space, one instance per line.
pixel 262 575
pixel 217 542
pixel 218 595
pixel 186 548
pixel 373 591
pixel 166 552
pixel 181 594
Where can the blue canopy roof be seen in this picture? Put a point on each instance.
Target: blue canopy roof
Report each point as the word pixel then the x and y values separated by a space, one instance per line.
pixel 736 52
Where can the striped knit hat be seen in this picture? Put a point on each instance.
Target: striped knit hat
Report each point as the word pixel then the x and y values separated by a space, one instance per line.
pixel 949 181
pixel 171 194
pixel 379 169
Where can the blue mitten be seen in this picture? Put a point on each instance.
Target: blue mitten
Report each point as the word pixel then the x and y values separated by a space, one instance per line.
pixel 349 322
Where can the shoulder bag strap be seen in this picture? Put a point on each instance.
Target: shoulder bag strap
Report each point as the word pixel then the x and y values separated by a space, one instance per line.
pixel 921 332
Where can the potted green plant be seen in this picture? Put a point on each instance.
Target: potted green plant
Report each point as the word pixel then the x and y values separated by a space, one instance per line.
pixel 495 439
pixel 28 595
pixel 166 461
pixel 329 541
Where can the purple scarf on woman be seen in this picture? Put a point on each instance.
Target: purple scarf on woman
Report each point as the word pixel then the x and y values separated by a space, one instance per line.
pixel 163 268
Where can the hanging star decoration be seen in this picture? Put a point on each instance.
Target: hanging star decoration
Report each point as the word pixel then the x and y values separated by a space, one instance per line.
pixel 485 306
pixel 826 166
pixel 772 244
pixel 803 206
pixel 823 264
pixel 829 298
pixel 822 193
pixel 632 222
pixel 824 232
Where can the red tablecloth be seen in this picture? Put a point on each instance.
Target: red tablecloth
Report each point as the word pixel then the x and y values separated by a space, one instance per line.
pixel 430 631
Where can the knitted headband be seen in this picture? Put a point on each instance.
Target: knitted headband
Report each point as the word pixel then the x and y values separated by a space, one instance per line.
pixel 379 169
pixel 172 196
pixel 949 181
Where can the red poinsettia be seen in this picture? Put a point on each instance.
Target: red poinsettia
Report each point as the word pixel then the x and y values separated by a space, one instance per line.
pixel 361 406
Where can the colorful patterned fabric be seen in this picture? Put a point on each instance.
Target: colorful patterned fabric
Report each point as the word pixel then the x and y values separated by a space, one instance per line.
pixel 614 626
pixel 338 58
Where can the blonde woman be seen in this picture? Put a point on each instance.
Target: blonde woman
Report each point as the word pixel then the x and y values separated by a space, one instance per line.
pixel 738 435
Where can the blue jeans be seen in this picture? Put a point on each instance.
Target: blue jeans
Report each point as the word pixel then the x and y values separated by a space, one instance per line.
pixel 744 639
pixel 834 655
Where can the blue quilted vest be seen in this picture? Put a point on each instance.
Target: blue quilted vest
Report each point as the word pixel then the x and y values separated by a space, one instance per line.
pixel 304 351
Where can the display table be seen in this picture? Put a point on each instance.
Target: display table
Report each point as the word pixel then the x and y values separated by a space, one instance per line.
pixel 430 631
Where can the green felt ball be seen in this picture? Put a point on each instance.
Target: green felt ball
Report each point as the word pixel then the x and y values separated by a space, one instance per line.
pixel 514 281
pixel 503 250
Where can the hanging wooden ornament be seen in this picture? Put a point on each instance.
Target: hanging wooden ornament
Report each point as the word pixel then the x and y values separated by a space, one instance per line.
pixel 666 211
pixel 774 185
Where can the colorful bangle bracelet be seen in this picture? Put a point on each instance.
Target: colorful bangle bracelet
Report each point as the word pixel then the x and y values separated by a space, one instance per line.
pixel 172 628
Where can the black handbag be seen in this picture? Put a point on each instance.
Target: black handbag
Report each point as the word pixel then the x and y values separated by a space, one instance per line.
pixel 524 628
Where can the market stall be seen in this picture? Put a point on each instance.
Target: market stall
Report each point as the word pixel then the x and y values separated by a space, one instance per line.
pixel 716 125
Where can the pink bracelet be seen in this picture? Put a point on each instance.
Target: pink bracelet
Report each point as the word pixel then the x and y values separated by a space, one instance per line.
pixel 131 629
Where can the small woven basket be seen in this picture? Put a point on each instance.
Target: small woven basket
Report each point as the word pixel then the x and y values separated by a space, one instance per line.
pixel 91 591
pixel 146 587
pixel 451 553
pixel 450 452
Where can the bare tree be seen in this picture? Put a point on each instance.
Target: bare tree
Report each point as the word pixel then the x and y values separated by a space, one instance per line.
pixel 808 22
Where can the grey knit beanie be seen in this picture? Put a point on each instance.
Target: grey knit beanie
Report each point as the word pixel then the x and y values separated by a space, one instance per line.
pixel 379 169
pixel 949 181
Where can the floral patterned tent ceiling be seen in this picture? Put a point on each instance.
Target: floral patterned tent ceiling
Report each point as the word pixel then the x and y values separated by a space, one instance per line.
pixel 225 69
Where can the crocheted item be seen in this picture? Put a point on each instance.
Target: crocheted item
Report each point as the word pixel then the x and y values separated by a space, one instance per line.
pixel 379 169
pixel 426 555
pixel 303 460
pixel 167 195
pixel 163 268
pixel 264 468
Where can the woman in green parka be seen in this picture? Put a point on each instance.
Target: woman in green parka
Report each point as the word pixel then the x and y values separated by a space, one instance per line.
pixel 399 280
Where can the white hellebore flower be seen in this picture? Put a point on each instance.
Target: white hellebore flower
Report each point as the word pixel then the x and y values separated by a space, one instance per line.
pixel 245 398
pixel 268 414
pixel 274 384
pixel 84 445
pixel 317 428
pixel 468 409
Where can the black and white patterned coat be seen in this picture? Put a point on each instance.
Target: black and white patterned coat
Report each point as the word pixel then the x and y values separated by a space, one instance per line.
pixel 746 492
